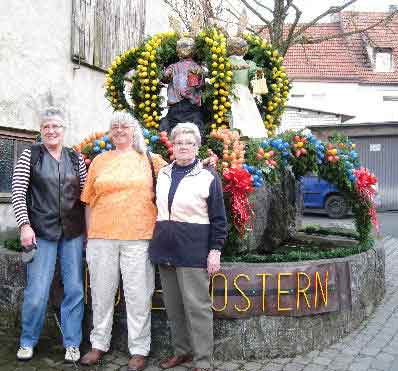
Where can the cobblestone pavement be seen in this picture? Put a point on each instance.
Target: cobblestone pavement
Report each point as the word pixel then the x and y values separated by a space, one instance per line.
pixel 372 347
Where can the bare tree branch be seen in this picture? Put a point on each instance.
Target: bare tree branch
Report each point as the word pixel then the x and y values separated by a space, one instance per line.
pixel 317 40
pixel 256 13
pixel 292 28
pixel 330 11
pixel 264 6
pixel 236 16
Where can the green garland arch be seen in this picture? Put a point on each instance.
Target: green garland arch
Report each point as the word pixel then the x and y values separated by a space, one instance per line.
pixel 158 51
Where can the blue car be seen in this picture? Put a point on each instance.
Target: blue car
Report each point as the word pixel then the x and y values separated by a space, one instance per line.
pixel 320 195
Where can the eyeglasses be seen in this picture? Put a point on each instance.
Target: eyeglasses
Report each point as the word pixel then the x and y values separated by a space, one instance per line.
pixel 120 126
pixel 48 127
pixel 186 144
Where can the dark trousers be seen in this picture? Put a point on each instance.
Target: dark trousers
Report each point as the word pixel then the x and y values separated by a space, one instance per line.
pixel 183 111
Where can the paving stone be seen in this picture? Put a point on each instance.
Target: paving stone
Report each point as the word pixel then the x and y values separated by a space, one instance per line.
pixel 229 366
pixel 252 366
pixel 323 361
pixel 314 367
pixel 272 366
pixel 381 365
pixel 293 367
pixel 120 360
pixel 385 357
pixel 361 364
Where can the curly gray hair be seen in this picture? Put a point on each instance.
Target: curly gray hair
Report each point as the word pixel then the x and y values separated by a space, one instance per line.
pixel 126 118
pixel 186 128
pixel 52 114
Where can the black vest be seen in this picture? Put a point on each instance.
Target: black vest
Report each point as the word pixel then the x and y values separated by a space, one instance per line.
pixel 53 197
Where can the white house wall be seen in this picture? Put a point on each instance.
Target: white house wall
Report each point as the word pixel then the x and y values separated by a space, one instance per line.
pixel 365 102
pixel 35 47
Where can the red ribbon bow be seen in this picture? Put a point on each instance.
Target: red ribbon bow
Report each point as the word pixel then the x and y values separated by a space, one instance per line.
pixel 239 185
pixel 365 185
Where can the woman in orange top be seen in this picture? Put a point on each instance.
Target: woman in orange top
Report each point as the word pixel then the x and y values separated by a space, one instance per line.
pixel 120 217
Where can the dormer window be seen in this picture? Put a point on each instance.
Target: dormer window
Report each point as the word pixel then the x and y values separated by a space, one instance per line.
pixel 383 59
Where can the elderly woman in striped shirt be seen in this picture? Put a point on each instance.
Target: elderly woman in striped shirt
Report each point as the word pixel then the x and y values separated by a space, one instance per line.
pixel 46 187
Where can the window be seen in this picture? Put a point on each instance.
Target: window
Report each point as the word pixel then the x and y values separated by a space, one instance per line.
pixel 383 60
pixel 101 30
pixel 12 144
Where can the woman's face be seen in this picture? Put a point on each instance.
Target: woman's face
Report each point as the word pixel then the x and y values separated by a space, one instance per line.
pixel 52 133
pixel 122 134
pixel 185 147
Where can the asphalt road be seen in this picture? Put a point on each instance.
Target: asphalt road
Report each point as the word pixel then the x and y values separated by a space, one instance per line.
pixel 388 222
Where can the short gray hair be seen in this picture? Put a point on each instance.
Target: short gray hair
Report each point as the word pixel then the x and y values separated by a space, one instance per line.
pixel 186 128
pixel 52 114
pixel 126 118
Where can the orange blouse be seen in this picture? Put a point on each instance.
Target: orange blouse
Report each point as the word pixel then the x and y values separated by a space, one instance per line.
pixel 119 191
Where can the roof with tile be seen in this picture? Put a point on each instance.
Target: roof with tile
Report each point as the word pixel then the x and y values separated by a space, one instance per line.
pixel 345 58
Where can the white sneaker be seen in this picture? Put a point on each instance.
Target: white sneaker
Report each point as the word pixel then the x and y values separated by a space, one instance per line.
pixel 25 353
pixel 72 354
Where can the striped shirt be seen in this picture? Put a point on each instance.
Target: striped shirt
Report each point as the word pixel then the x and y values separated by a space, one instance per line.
pixel 20 185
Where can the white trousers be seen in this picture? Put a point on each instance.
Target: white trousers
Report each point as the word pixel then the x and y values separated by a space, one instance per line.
pixel 106 259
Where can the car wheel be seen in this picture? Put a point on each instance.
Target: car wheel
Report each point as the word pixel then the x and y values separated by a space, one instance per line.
pixel 336 206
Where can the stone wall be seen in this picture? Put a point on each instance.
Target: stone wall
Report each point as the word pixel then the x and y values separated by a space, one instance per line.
pixel 251 338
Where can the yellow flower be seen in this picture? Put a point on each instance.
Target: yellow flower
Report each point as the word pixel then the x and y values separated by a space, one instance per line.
pixel 213 49
pixel 155 82
pixel 213 126
pixel 146 140
pixel 216 85
pixel 214 73
pixel 145 115
pixel 153 88
pixel 153 65
pixel 221 60
pixel 215 116
pixel 153 105
pixel 228 79
pixel 221 66
pixel 147 109
pixel 212 80
pixel 152 73
pixel 147 96
pixel 214 64
pixel 215 101
pixel 223 99
pixel 219 121
pixel 147 102
pixel 222 75
pixel 227 104
pixel 215 108
pixel 153 96
pixel 214 57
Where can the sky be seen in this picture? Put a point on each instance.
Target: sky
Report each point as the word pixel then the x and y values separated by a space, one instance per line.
pixel 158 21
pixel 312 8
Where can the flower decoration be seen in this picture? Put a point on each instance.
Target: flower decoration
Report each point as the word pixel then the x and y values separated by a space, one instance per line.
pixel 271 105
pixel 299 145
pixel 93 145
pixel 214 44
pixel 233 153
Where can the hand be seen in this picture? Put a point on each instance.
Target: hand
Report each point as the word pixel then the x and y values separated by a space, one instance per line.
pixel 213 262
pixel 28 236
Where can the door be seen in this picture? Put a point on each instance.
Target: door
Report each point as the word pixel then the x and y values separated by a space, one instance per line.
pixel 380 155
